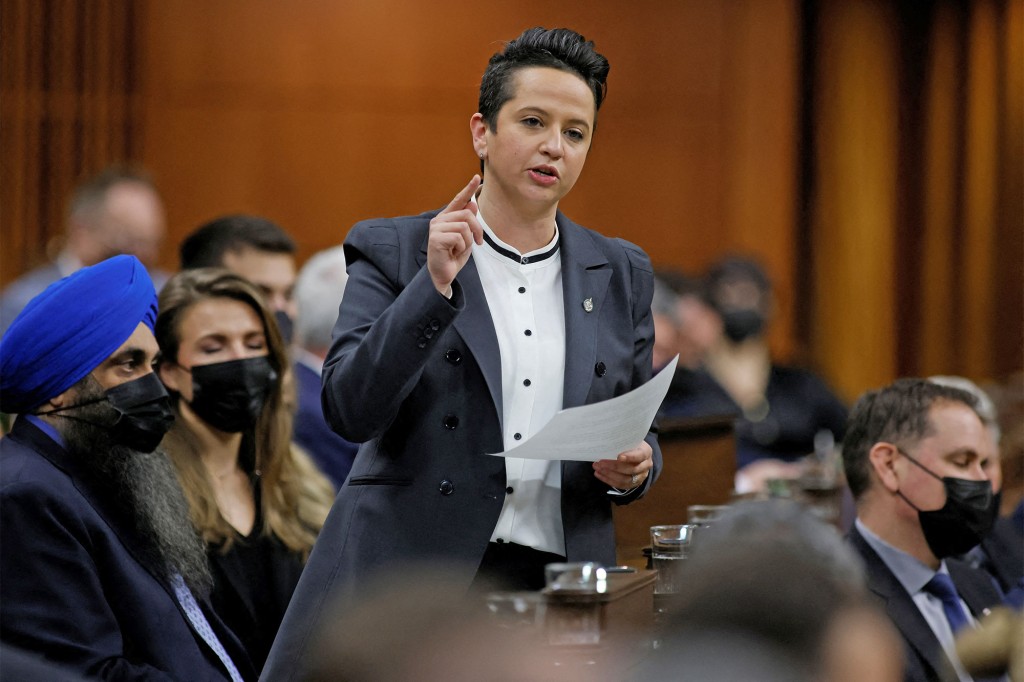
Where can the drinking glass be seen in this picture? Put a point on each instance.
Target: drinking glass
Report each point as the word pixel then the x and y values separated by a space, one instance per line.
pixel 670 546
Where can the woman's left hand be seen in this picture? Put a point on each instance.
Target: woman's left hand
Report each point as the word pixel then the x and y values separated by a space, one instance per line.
pixel 628 470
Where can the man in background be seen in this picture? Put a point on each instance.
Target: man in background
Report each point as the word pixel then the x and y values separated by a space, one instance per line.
pixel 255 248
pixel 116 211
pixel 917 456
pixel 318 293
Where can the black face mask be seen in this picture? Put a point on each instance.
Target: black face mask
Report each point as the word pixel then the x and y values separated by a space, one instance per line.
pixel 284 325
pixel 963 521
pixel 143 410
pixel 740 325
pixel 229 396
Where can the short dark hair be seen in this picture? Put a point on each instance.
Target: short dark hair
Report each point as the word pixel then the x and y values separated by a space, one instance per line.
pixel 557 48
pixel 897 412
pixel 205 248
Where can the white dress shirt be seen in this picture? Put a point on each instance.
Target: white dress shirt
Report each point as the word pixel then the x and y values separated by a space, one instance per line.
pixel 524 294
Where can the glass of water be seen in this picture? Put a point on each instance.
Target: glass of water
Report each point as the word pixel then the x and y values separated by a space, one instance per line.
pixel 670 545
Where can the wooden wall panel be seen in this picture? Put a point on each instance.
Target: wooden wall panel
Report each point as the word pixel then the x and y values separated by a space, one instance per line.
pixel 1008 337
pixel 980 191
pixel 66 97
pixel 854 223
pixel 941 197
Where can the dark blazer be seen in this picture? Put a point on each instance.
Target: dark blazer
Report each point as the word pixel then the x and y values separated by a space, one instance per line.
pixel 417 379
pixel 332 453
pixel 924 658
pixel 72 586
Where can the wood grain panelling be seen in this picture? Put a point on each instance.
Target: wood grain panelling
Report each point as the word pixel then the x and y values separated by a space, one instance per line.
pixel 66 97
pixel 918 228
pixel 854 210
pixel 941 155
pixel 980 190
pixel 1008 349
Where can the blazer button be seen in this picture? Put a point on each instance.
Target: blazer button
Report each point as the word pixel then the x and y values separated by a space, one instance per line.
pixel 421 343
pixel 450 422
pixel 428 332
pixel 453 356
pixel 435 325
pixel 447 487
pixel 600 370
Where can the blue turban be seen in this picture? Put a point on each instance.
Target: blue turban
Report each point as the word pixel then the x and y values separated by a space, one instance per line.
pixel 71 328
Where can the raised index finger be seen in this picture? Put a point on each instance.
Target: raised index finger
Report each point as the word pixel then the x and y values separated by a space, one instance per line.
pixel 463 197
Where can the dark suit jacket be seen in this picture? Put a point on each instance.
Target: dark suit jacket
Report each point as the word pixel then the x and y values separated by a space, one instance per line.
pixel 332 453
pixel 72 587
pixel 417 379
pixel 924 658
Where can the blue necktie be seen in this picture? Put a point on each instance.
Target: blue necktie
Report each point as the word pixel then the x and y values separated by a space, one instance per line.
pixel 941 586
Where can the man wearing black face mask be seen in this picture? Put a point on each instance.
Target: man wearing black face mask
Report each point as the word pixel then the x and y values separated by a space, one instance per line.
pixel 101 570
pixel 255 248
pixel 916 454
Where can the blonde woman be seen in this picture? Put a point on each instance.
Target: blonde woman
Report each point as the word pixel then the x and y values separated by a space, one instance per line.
pixel 258 502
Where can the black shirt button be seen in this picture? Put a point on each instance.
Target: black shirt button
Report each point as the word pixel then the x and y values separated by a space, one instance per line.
pixel 517 436
pixel 500 541
pixel 528 332
pixel 600 370
pixel 509 490
pixel 450 422
pixel 446 487
pixel 453 356
pixel 524 260
pixel 526 382
pixel 522 290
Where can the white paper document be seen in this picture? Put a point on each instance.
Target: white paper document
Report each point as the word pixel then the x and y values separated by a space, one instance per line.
pixel 600 430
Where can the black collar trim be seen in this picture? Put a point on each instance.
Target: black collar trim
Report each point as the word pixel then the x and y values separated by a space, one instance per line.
pixel 512 255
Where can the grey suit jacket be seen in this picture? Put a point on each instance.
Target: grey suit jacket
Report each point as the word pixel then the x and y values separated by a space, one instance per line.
pixel 417 379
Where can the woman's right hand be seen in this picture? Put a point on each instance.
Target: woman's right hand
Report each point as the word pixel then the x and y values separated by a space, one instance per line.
pixel 452 233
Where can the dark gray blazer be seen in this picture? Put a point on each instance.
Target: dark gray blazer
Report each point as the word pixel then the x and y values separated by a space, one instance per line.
pixel 417 379
pixel 924 658
pixel 74 584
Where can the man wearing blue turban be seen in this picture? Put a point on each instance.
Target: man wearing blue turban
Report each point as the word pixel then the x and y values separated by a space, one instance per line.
pixel 101 570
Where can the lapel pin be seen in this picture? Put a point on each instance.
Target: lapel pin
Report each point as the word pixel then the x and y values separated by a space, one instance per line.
pixel 588 304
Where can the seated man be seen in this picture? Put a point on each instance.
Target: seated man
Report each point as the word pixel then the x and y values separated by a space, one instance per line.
pixel 916 456
pixel 116 211
pixel 255 248
pixel 318 293
pixel 101 570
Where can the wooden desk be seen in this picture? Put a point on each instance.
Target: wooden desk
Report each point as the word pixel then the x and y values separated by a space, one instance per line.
pixel 699 467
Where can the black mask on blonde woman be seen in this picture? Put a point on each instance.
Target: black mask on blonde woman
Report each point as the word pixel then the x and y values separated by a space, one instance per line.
pixel 229 396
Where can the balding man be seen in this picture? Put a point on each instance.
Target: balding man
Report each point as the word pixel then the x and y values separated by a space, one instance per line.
pixel 101 570
pixel 916 455
pixel 115 211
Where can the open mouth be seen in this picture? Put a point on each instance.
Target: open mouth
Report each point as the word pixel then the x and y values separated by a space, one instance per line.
pixel 549 172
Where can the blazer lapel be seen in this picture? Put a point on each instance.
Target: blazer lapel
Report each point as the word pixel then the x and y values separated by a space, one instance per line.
pixel 585 277
pixel 475 327
pixel 900 607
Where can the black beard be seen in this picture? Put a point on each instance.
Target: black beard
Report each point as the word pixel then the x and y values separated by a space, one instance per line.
pixel 145 488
